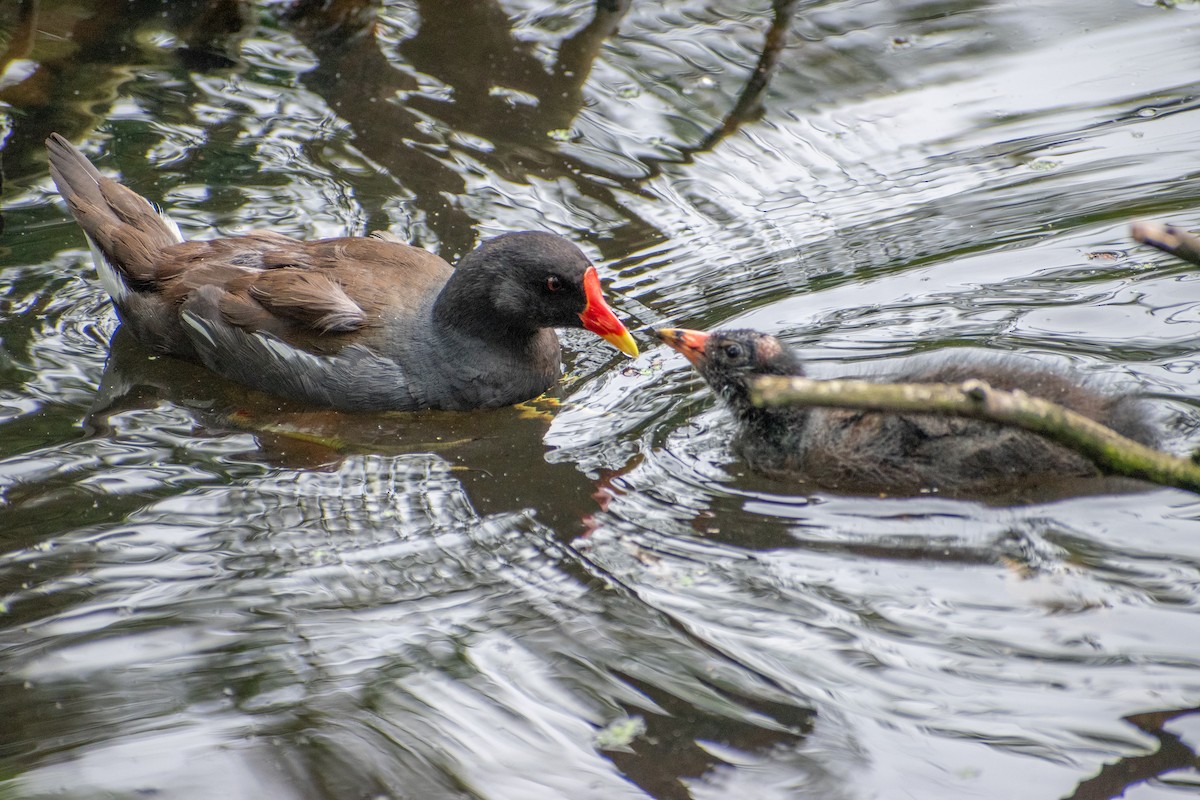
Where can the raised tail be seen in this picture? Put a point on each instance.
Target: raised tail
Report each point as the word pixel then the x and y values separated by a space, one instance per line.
pixel 125 231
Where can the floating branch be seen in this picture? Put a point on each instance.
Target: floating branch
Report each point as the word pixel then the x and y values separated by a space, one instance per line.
pixel 1168 238
pixel 1111 452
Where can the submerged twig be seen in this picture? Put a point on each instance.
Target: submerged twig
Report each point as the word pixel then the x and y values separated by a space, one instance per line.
pixel 1111 452
pixel 748 104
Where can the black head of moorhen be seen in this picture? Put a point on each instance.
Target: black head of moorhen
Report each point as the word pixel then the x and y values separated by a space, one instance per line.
pixel 860 451
pixel 351 323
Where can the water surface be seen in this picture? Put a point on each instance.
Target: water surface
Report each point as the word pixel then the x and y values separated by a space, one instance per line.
pixel 208 592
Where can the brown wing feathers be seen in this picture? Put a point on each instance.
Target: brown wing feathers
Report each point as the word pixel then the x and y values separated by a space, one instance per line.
pixel 268 280
pixel 308 297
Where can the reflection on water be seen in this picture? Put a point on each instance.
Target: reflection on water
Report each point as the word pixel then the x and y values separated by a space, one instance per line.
pixel 206 590
pixel 368 626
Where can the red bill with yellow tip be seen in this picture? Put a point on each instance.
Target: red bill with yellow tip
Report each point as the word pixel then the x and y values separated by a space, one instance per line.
pixel 598 318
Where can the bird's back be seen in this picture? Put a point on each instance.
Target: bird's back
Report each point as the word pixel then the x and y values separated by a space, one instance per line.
pixel 903 453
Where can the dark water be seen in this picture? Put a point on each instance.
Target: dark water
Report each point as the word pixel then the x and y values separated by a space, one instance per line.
pixel 205 593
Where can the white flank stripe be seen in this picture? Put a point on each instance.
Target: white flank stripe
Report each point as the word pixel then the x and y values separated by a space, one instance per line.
pixel 194 322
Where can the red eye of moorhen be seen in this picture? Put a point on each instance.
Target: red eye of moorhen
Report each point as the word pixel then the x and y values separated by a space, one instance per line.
pixel 553 283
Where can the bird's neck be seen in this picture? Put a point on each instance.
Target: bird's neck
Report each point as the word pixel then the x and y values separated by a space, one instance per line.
pixel 778 436
pixel 470 328
pixel 465 307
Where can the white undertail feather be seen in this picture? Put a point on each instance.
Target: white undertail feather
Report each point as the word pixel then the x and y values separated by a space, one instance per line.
pixel 110 276
pixel 170 224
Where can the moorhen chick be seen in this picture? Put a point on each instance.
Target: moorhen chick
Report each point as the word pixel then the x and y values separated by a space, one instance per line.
pixel 357 323
pixel 861 451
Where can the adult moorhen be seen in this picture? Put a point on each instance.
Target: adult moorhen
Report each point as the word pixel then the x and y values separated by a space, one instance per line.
pixel 861 451
pixel 352 323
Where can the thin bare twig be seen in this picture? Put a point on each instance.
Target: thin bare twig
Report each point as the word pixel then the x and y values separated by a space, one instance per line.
pixel 1111 452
